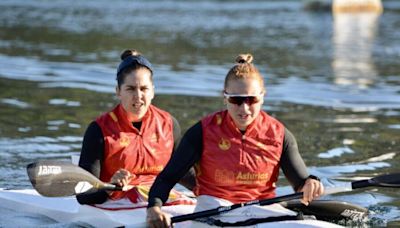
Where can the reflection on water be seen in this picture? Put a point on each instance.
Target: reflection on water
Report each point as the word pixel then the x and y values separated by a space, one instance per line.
pixel 353 40
pixel 333 80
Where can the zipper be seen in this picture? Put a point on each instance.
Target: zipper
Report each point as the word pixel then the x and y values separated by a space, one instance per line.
pixel 241 158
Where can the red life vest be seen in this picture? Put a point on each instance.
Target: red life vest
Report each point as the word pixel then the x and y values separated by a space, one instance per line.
pixel 239 167
pixel 143 152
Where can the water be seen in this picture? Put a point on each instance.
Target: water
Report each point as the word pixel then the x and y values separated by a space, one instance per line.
pixel 333 80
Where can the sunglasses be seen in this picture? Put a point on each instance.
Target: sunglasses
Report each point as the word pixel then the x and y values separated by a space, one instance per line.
pixel 239 99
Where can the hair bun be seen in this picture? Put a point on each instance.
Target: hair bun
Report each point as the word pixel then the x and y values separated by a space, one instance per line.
pixel 244 58
pixel 128 53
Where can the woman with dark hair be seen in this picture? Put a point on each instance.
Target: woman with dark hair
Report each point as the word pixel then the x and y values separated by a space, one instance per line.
pixel 131 144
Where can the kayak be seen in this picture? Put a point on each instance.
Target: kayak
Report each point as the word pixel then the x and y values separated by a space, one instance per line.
pixel 67 210
pixel 56 183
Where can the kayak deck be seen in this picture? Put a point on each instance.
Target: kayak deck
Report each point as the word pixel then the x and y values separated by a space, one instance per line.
pixel 68 210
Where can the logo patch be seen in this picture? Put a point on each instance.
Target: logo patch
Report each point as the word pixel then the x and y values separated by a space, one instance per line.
pixel 224 144
pixel 354 215
pixel 49 169
pixel 224 176
pixel 124 141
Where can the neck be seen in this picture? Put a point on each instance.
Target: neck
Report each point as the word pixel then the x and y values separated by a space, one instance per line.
pixel 130 116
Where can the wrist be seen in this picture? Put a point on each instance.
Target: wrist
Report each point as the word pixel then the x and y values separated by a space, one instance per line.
pixel 154 202
pixel 314 178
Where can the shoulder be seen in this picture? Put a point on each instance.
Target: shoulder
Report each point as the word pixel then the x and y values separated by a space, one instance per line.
pixel 94 127
pixel 162 114
pixel 271 120
pixel 175 122
pixel 93 131
pixel 215 117
pixel 289 137
pixel 158 110
pixel 194 133
pixel 106 116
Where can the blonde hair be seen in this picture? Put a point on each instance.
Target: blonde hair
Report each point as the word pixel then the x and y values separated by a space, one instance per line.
pixel 244 69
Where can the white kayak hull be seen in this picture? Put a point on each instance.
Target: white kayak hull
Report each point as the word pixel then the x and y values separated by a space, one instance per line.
pixel 68 210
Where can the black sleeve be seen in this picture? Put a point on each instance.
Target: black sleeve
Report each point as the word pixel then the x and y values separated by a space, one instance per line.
pixel 91 157
pixel 176 131
pixel 186 155
pixel 189 180
pixel 291 162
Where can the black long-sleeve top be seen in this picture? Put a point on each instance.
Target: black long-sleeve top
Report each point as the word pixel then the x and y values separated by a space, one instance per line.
pixel 190 150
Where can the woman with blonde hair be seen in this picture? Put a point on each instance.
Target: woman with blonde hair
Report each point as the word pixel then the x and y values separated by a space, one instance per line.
pixel 236 152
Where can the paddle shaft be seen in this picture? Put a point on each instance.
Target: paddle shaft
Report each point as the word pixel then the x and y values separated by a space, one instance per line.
pixel 224 209
pixel 386 180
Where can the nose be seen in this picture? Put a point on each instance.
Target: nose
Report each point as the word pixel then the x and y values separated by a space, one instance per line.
pixel 137 93
pixel 244 106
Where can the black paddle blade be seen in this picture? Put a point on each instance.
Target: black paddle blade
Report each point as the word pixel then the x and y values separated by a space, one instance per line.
pixel 388 180
pixel 391 180
pixel 329 210
pixel 58 178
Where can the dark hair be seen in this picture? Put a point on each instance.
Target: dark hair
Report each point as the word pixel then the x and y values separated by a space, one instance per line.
pixel 132 60
pixel 243 69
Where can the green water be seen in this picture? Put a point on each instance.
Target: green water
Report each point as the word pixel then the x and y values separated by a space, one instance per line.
pixel 333 81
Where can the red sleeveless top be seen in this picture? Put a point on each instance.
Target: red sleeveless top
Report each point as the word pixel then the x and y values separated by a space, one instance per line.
pixel 239 167
pixel 144 153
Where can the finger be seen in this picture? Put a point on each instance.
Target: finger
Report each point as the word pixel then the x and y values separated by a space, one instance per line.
pixel 160 222
pixel 125 181
pixel 167 221
pixel 304 202
pixel 309 192
pixel 124 172
pixel 317 191
pixel 320 189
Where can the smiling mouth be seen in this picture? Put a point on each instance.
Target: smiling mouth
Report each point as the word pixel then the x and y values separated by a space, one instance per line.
pixel 137 105
pixel 244 117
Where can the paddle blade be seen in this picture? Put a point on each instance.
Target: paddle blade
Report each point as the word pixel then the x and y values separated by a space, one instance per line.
pixel 329 210
pixel 391 180
pixel 388 180
pixel 58 178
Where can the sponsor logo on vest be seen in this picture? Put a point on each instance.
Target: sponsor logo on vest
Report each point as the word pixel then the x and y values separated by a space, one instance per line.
pixel 251 176
pixel 224 176
pixel 151 169
pixel 124 141
pixel 224 144
pixel 49 169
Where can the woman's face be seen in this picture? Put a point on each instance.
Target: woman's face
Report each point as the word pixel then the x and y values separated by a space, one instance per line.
pixel 246 109
pixel 136 93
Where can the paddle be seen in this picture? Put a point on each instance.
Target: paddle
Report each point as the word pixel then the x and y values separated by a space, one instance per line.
pixel 385 180
pixel 58 178
pixel 328 210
